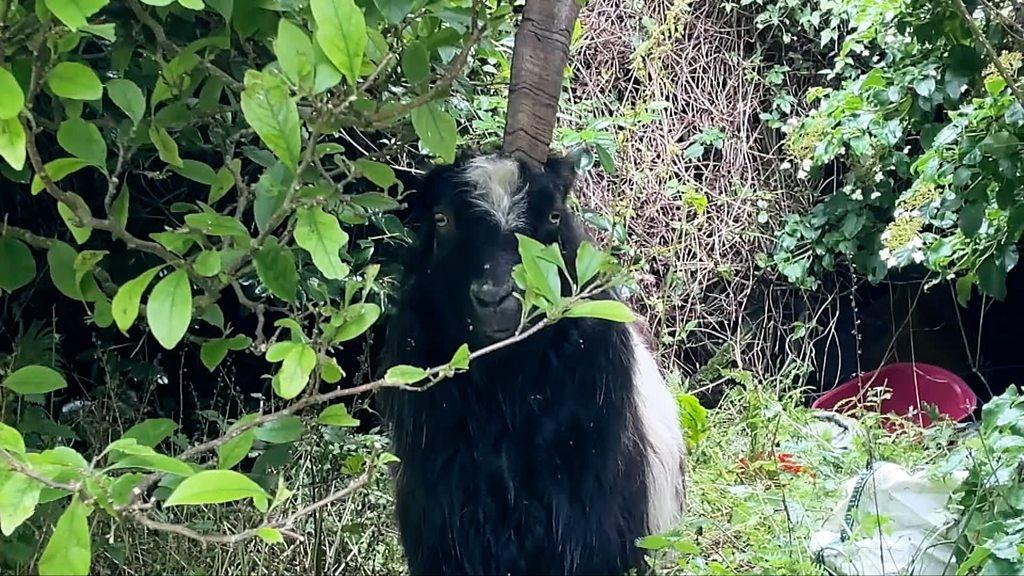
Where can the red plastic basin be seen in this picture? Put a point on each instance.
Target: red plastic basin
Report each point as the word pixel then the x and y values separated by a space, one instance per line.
pixel 909 387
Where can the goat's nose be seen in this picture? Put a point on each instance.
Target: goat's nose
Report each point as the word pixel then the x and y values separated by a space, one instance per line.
pixel 488 294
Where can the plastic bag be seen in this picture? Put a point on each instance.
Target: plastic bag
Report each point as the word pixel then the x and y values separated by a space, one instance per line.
pixel 890 521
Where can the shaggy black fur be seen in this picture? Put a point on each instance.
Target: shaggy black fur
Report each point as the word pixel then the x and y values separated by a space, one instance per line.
pixel 531 462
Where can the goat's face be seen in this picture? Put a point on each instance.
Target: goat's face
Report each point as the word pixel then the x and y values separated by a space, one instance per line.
pixel 466 218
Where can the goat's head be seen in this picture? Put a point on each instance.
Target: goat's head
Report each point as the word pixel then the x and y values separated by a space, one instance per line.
pixel 466 217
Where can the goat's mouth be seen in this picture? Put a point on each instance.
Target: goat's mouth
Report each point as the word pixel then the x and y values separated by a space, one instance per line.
pixel 497 323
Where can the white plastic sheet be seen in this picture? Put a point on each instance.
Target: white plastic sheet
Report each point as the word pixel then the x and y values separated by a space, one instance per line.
pixel 890 522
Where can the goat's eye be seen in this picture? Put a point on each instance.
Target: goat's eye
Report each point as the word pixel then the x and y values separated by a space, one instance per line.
pixel 555 217
pixel 440 220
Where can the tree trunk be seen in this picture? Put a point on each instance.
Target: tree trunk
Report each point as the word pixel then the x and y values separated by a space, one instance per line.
pixel 538 64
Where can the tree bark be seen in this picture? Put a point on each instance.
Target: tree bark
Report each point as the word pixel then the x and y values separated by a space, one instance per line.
pixel 538 64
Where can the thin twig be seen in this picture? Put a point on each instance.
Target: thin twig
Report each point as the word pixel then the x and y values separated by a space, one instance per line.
pixel 979 36
pixel 25 470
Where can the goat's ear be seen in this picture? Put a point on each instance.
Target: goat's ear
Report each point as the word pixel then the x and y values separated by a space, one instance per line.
pixel 566 168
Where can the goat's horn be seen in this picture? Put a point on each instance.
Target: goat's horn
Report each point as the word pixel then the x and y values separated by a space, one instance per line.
pixel 538 63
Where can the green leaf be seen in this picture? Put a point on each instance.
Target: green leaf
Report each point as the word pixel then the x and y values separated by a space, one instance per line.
pixel 214 351
pixel 74 81
pixel 223 182
pixel 19 266
pixel 12 99
pixel 69 551
pixel 119 208
pixel 995 84
pixel 337 415
pixel 330 372
pixel 19 496
pixel 207 263
pixel 460 360
pixel 327 76
pixel 395 10
pixel 196 171
pixel 964 287
pixel 169 309
pixel 380 174
pixel 320 234
pixel 541 274
pixel 341 34
pixel 79 233
pixel 11 440
pixel 270 535
pixel 75 13
pixel 653 542
pixel 357 319
pixel 166 147
pixel 61 260
pixel 297 363
pixel 216 487
pixel 925 86
pixel 214 224
pixel 604 309
pixel 151 432
pixel 588 263
pixel 57 170
pixel 294 52
pixel 437 130
pixel 236 449
pixel 274 116
pixel 275 265
pixel 375 201
pixel 281 430
pixel 34 380
pixel 972 216
pixel 404 374
pixel 125 306
pixel 128 97
pixel 416 63
pixel 12 143
pixel 992 278
pixel 155 463
pixel 83 139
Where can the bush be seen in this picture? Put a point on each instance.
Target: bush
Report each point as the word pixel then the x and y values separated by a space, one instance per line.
pixel 201 192
pixel 920 127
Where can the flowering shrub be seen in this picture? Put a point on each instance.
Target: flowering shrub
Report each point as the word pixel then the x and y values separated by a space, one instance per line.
pixel 920 136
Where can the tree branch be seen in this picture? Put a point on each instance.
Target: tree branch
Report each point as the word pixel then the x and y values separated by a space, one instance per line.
pixel 979 36
pixel 443 85
pixel 168 46
pixel 25 470
pixel 85 219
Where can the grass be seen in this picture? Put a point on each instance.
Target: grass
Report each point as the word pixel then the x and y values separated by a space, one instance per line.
pixel 353 537
pixel 767 474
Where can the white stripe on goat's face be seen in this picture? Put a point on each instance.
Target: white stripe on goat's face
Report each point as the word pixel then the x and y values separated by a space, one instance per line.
pixel 497 190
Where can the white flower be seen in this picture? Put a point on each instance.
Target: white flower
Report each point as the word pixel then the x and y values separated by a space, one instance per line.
pixel 801 174
pixel 918 256
pixel 857 195
pixel 875 194
pixel 885 254
pixel 805 164
pixel 891 262
pixel 878 177
pixel 916 243
pixel 785 165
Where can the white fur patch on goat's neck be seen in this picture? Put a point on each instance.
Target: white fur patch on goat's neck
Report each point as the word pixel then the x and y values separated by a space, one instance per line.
pixel 496 189
pixel 663 439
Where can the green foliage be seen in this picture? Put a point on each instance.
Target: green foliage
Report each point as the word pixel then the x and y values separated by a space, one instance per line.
pixel 924 122
pixel 991 498
pixel 199 182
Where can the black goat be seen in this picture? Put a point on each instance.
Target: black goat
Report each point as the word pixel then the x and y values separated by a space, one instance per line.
pixel 550 456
